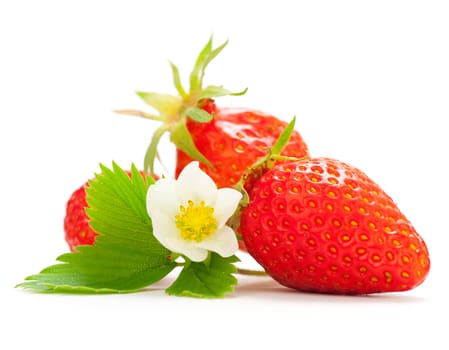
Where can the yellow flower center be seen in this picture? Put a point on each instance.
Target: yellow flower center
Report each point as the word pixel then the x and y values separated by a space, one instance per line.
pixel 196 222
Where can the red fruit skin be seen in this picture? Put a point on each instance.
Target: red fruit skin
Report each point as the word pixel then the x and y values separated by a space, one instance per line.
pixel 321 225
pixel 234 140
pixel 76 223
pixel 77 230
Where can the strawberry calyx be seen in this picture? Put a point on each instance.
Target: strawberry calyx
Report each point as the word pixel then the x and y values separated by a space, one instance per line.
pixel 173 111
pixel 260 167
pixel 266 162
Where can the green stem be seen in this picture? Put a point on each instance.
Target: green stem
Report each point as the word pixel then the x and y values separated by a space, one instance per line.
pixel 249 272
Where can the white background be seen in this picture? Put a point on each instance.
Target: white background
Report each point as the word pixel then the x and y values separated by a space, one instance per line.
pixel 367 80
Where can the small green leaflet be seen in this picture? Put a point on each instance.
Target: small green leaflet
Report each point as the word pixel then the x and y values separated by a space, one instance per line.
pixel 126 257
pixel 212 279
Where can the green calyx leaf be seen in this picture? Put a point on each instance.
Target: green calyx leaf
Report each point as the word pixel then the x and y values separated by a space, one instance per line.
pixel 167 105
pixel 126 256
pixel 199 115
pixel 206 55
pixel 259 167
pixel 177 81
pixel 211 279
pixel 274 153
pixel 181 137
pixel 213 91
pixel 283 138
pixel 151 152
pixel 174 110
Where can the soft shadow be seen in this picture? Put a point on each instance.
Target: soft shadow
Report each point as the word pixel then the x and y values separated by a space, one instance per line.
pixel 267 288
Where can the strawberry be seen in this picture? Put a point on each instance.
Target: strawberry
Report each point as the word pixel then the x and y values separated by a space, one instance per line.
pixel 76 222
pixel 321 225
pixel 234 139
pixel 225 140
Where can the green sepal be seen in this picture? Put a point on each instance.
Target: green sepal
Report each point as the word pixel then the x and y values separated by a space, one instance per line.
pixel 274 152
pixel 199 115
pixel 206 55
pixel 177 80
pixel 181 137
pixel 126 256
pixel 151 152
pixel 284 137
pixel 165 104
pixel 259 167
pixel 213 91
pixel 213 279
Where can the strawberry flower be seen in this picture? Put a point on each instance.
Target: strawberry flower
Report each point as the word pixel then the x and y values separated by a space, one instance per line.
pixel 189 214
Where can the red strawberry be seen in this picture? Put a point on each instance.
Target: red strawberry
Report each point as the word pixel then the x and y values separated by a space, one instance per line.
pixel 321 225
pixel 76 222
pixel 234 139
pixel 225 140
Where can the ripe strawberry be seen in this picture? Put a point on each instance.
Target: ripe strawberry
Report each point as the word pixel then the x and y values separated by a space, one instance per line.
pixel 234 139
pixel 76 222
pixel 321 225
pixel 225 140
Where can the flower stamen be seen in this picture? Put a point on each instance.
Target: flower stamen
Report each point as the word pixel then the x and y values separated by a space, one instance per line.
pixel 196 222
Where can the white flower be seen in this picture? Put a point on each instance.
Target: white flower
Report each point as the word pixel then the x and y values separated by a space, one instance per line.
pixel 189 214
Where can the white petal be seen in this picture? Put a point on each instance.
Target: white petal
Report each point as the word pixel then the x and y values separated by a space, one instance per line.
pixel 226 204
pixel 224 242
pixel 196 253
pixel 166 232
pixel 195 185
pixel 161 196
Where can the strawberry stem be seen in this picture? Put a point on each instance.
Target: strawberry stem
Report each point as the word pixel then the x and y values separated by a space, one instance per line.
pixel 249 272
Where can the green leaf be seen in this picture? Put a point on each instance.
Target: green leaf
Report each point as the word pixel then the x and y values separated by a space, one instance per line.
pixel 283 138
pixel 125 257
pixel 165 104
pixel 181 137
pixel 206 280
pixel 199 115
